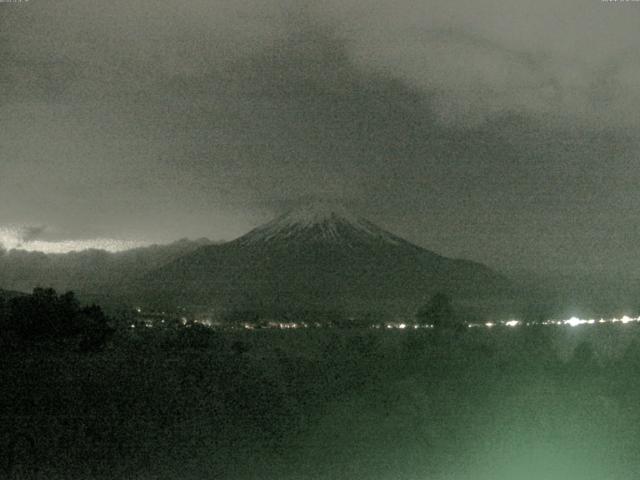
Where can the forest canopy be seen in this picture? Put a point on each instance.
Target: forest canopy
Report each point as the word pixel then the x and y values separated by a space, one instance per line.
pixel 45 316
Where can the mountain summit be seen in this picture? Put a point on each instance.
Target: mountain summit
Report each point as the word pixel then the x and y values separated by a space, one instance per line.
pixel 316 212
pixel 318 256
pixel 319 222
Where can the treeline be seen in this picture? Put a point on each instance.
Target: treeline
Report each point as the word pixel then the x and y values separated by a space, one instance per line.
pixel 46 318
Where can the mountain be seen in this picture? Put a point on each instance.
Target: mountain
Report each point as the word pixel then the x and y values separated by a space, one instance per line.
pixel 319 256
pixel 88 271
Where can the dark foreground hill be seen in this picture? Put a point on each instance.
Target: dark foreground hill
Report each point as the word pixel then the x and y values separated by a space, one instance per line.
pixel 317 257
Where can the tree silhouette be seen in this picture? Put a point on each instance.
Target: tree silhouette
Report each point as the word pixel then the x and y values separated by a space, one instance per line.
pixel 45 316
pixel 94 328
pixel 438 311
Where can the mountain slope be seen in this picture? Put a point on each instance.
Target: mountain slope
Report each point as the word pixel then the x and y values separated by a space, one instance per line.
pixel 318 256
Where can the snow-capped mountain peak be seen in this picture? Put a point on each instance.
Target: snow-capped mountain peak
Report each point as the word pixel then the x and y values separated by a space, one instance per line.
pixel 319 221
pixel 316 213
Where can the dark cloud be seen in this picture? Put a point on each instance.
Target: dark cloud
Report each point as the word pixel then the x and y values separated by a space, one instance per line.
pixel 499 131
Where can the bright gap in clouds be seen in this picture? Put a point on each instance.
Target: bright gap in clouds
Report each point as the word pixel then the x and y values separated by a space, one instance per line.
pixel 12 238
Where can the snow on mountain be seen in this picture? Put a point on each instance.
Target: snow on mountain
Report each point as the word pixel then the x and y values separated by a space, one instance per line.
pixel 319 221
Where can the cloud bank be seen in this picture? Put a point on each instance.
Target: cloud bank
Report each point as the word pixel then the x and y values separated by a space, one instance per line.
pixel 500 131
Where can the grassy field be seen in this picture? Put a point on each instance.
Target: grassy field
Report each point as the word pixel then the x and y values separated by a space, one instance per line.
pixel 508 403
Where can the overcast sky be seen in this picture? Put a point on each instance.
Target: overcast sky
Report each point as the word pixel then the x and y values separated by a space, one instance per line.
pixel 504 131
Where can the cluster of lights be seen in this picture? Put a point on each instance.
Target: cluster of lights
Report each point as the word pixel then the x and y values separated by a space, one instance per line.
pixel 571 322
pixel 507 323
pixel 287 325
pixel 283 325
pixel 145 324
pixel 575 321
pixel 402 326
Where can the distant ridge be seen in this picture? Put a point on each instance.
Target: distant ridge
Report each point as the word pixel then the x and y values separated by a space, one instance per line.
pixel 9 294
pixel 89 271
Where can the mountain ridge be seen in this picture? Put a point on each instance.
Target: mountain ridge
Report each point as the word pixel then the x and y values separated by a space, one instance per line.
pixel 89 270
